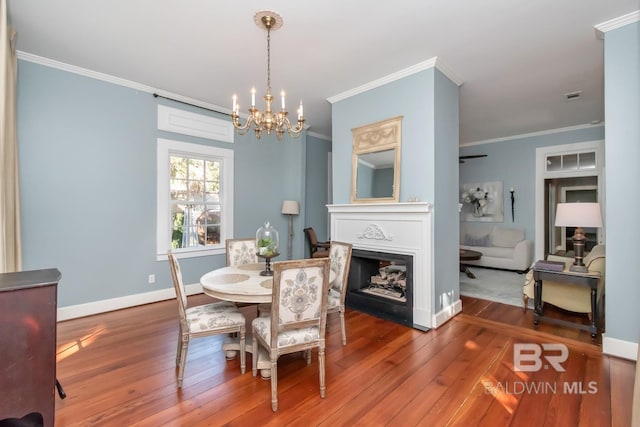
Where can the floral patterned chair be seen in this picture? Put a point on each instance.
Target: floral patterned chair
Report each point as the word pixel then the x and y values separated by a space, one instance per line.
pixel 241 251
pixel 203 320
pixel 298 317
pixel 340 259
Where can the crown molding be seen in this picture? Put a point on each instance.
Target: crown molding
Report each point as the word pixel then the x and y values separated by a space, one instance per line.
pixel 532 134
pixel 319 136
pixel 434 62
pixel 615 23
pixel 117 81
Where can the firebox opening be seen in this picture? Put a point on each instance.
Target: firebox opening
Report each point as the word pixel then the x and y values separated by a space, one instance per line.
pixel 381 284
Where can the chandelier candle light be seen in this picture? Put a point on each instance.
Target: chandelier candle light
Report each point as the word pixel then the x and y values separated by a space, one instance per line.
pixel 268 120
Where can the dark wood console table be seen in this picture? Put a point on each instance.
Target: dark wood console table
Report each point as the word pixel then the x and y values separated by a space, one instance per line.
pixel 585 279
pixel 28 305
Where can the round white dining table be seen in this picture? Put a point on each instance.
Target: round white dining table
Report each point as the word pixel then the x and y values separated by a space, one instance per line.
pixel 238 283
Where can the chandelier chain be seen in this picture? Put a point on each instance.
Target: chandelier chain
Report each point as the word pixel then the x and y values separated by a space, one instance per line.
pixel 269 58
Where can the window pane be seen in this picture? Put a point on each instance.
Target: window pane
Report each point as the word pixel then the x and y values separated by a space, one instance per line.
pixel 178 167
pixel 588 160
pixel 212 171
pixel 178 189
pixel 196 169
pixel 209 226
pixel 569 161
pixel 196 191
pixel 554 163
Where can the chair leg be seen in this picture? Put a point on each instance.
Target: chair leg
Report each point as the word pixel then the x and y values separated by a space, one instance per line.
pixel 179 349
pixel 183 359
pixel 307 354
pixel 254 355
pixel 274 385
pixel 344 330
pixel 525 299
pixel 323 388
pixel 243 356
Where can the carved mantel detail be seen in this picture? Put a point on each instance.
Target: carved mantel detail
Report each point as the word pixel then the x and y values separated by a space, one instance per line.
pixel 374 232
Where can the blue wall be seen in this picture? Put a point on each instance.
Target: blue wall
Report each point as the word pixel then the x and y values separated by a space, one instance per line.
pixel 514 163
pixel 408 97
pixel 87 154
pixel 316 189
pixel 622 113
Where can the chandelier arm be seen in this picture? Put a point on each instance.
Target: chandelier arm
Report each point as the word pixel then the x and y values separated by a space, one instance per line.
pixel 236 123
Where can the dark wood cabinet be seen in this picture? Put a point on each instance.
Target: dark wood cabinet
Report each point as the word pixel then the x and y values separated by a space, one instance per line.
pixel 28 303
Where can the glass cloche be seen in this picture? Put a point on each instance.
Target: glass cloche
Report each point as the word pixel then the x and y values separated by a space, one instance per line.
pixel 267 241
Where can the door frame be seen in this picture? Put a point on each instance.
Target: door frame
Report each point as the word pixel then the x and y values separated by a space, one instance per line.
pixel 542 175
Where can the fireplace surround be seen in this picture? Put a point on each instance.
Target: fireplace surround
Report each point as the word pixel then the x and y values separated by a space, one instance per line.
pixel 396 232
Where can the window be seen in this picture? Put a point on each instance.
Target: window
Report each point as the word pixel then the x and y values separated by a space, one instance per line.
pixel 195 198
pixel 571 162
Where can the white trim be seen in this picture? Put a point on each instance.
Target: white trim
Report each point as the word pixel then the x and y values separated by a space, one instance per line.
pixel 97 307
pixel 531 134
pixel 429 63
pixel 319 136
pixel 616 23
pixel 166 146
pixel 541 174
pixel 117 81
pixel 194 124
pixel 446 314
pixel 619 348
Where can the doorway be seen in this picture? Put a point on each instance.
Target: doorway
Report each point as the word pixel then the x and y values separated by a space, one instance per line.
pixel 566 173
pixel 568 190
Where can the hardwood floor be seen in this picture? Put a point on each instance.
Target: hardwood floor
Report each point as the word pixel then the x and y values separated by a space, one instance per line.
pixel 118 369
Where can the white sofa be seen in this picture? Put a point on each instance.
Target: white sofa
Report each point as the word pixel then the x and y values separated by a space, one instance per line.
pixel 501 246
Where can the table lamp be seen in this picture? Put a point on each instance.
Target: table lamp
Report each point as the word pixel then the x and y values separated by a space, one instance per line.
pixel 578 215
pixel 290 208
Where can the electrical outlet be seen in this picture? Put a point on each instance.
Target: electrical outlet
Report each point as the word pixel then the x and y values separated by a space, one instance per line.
pixel 152 278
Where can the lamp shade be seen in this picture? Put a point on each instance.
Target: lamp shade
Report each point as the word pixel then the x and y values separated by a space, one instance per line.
pixel 290 207
pixel 578 215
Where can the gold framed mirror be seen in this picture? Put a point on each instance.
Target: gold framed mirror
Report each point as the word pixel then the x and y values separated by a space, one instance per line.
pixel 375 166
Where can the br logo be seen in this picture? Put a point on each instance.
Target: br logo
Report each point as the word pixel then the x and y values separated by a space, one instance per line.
pixel 528 357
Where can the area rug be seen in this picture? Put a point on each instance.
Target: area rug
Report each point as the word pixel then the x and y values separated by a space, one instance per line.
pixel 494 285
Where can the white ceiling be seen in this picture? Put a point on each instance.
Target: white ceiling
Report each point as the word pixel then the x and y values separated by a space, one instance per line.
pixel 516 58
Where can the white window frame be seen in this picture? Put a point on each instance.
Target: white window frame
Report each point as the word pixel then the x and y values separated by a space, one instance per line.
pixel 167 148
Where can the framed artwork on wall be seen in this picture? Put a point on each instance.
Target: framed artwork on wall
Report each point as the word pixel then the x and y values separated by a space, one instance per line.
pixel 482 201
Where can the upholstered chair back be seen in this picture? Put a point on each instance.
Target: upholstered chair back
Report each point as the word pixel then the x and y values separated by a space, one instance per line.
pixel 241 251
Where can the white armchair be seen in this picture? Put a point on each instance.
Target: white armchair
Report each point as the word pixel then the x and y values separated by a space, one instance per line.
pixel 569 296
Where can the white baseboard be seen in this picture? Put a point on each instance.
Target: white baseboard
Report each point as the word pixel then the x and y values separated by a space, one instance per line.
pixel 619 348
pixel 97 307
pixel 447 313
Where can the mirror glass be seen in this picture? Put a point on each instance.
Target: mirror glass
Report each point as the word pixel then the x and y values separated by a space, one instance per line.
pixel 375 173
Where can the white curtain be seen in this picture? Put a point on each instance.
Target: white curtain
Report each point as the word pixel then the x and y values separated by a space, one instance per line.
pixel 10 244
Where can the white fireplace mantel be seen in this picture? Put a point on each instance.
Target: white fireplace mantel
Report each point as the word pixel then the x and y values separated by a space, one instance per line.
pixel 401 228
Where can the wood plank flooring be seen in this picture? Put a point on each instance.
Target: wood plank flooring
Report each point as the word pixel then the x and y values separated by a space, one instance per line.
pixel 118 369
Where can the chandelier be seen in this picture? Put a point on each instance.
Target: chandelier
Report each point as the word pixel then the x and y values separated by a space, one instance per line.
pixel 268 120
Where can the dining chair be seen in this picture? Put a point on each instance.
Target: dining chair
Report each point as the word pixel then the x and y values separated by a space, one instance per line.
pixel 340 261
pixel 298 317
pixel 316 249
pixel 241 251
pixel 203 320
